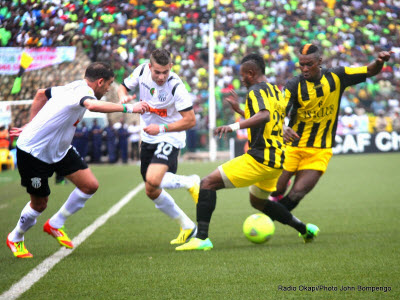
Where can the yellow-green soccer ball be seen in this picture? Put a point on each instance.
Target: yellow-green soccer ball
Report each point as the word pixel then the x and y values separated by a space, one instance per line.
pixel 258 228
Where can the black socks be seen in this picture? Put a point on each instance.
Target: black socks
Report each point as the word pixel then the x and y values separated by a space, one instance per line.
pixel 205 207
pixel 277 211
pixel 289 204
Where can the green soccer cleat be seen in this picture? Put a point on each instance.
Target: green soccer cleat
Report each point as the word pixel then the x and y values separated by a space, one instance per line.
pixel 311 233
pixel 18 249
pixel 59 234
pixel 195 189
pixel 184 235
pixel 196 244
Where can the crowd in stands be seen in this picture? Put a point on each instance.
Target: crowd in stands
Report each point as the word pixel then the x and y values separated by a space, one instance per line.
pixel 350 32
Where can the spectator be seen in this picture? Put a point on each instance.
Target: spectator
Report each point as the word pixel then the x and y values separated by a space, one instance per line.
pixel 380 122
pixel 363 120
pixel 96 137
pixel 134 139
pixel 4 137
pixel 123 134
pixel 111 135
pixel 349 121
pixel 396 122
pixel 81 139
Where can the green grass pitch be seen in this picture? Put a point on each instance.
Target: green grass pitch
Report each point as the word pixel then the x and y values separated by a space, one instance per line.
pixel 356 205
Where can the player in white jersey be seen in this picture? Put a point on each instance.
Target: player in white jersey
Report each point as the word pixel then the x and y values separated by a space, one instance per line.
pixel 44 147
pixel 170 114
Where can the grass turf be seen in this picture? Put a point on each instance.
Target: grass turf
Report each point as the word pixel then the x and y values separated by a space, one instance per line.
pixel 355 205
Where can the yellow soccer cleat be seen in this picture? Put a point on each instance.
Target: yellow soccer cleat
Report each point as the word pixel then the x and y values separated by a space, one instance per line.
pixel 195 189
pixel 184 235
pixel 311 233
pixel 59 234
pixel 196 244
pixel 18 249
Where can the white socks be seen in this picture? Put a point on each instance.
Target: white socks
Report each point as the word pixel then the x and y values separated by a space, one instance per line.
pixel 26 221
pixel 167 205
pixel 75 202
pixel 173 181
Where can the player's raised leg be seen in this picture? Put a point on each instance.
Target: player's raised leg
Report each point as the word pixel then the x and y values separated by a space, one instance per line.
pixel 165 203
pixel 174 181
pixel 15 239
pixel 87 185
pixel 205 208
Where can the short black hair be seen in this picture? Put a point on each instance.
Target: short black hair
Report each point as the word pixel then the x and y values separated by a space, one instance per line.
pixel 255 59
pixel 161 57
pixel 309 49
pixel 99 70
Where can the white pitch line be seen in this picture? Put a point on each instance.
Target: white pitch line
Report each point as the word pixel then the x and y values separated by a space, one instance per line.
pixel 37 273
pixel 3 206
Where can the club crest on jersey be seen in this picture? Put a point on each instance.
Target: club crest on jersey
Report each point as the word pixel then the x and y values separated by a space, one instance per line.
pixel 36 182
pixel 319 86
pixel 162 96
pixel 152 90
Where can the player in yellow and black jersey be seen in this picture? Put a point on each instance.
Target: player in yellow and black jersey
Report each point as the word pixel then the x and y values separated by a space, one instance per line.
pixel 266 139
pixel 313 108
pixel 261 166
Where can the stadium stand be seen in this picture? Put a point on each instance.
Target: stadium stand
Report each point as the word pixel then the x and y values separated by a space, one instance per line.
pixel 125 31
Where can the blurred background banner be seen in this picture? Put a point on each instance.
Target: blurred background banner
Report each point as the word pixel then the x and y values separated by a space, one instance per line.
pixel 10 58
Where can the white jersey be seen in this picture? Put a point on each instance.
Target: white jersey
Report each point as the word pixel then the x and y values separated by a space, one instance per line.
pixel 165 101
pixel 49 135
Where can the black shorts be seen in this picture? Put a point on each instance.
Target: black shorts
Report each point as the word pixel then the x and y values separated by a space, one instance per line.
pixel 35 173
pixel 161 153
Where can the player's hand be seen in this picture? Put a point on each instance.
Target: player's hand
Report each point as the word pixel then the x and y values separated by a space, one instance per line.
pixel 384 56
pixel 140 107
pixel 127 98
pixel 233 100
pixel 289 135
pixel 222 130
pixel 152 129
pixel 16 131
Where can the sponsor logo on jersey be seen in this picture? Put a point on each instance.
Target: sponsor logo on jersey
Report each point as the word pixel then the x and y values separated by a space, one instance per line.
pixel 319 113
pixel 146 86
pixel 36 182
pixel 162 112
pixel 318 86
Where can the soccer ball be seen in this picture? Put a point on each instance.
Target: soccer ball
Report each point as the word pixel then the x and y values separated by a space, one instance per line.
pixel 258 228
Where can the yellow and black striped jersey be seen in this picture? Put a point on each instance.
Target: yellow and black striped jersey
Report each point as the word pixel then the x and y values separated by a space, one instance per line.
pixel 313 107
pixel 266 141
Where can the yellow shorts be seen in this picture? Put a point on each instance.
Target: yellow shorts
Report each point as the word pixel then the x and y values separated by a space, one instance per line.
pixel 297 159
pixel 245 171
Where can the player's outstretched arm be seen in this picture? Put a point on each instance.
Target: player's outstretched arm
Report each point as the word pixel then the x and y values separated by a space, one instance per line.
pixel 109 107
pixel 376 66
pixel 233 100
pixel 38 102
pixel 259 118
pixel 188 121
pixel 16 131
pixel 123 95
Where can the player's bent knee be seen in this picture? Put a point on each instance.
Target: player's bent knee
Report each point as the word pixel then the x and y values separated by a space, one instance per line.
pixel 153 182
pixel 209 183
pixel 257 203
pixel 205 183
pixel 90 188
pixel 257 192
pixel 40 207
pixel 296 196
